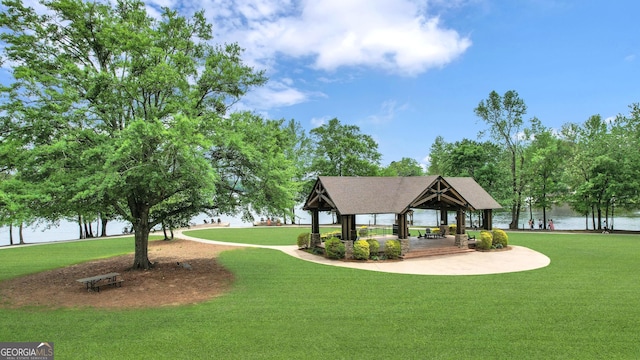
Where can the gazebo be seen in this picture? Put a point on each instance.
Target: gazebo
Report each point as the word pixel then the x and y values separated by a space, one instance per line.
pixel 351 196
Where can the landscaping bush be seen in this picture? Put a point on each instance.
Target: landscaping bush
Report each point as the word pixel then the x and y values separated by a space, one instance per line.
pixel 334 248
pixel 303 240
pixel 500 239
pixel 486 240
pixel 329 235
pixel 392 249
pixel 361 250
pixel 364 231
pixel 374 248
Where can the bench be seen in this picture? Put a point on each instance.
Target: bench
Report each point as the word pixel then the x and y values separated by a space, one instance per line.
pixel 114 283
pixel 94 283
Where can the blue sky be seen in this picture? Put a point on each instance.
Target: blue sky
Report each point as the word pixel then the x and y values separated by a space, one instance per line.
pixel 406 71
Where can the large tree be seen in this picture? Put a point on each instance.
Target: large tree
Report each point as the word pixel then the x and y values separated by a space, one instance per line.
pixel 404 167
pixel 601 166
pixel 504 115
pixel 544 175
pixel 127 106
pixel 342 150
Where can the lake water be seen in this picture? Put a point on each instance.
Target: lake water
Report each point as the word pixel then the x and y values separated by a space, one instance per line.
pixel 563 218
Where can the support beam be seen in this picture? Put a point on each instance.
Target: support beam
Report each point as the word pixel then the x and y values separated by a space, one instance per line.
pixel 443 217
pixel 402 226
pixel 315 221
pixel 460 221
pixel 487 223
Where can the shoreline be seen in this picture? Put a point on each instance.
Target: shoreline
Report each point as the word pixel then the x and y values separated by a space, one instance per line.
pixel 227 226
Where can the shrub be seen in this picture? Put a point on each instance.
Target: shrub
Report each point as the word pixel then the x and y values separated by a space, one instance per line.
pixel 374 248
pixel 500 239
pixel 364 231
pixel 361 250
pixel 303 240
pixel 392 249
pixel 334 248
pixel 329 235
pixel 486 239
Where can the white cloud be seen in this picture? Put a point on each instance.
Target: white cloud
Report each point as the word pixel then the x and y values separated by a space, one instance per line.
pixel 387 113
pixel 317 122
pixel 276 94
pixel 396 36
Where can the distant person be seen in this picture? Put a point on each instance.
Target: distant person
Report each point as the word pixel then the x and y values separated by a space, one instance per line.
pixel 551 226
pixel 531 224
pixel 540 224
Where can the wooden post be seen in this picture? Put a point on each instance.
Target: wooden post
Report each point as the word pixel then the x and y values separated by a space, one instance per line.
pixel 315 221
pixel 402 226
pixel 315 228
pixel 487 223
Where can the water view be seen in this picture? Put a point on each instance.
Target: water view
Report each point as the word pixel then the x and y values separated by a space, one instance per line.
pixel 563 219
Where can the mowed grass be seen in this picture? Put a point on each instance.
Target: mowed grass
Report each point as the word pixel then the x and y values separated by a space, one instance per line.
pixel 584 305
pixel 40 257
pixel 275 235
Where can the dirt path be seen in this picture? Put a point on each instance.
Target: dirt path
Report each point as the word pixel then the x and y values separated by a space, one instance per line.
pixel 166 284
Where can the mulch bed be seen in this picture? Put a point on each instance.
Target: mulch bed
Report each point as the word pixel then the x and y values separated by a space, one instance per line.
pixel 165 285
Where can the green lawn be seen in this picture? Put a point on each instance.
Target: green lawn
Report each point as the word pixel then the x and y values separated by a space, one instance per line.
pixel 276 235
pixel 584 305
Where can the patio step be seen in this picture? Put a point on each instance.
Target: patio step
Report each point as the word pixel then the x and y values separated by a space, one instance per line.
pixel 449 250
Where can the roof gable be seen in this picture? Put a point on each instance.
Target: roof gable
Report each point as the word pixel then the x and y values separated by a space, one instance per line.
pixel 396 195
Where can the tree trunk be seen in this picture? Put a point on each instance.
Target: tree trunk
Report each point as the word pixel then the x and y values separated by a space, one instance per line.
pixel 81 236
pixel 164 230
pixel 142 228
pixel 10 234
pixel 514 217
pixel 21 235
pixel 104 227
pixel 515 211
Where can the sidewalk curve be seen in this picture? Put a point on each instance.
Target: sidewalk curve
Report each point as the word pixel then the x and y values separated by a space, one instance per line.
pixel 518 258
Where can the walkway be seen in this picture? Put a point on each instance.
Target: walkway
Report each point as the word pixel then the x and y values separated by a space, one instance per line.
pixel 474 263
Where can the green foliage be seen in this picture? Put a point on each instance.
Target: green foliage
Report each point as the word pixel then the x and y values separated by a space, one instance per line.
pixel 500 239
pixel 361 250
pixel 303 240
pixel 135 109
pixel 328 235
pixel 334 248
pixel 342 150
pixel 486 240
pixel 404 167
pixel 374 248
pixel 504 116
pixel 363 231
pixel 452 228
pixel 392 249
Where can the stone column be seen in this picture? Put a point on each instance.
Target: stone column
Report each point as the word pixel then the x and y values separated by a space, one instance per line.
pixel 404 246
pixel 462 241
pixel 315 240
pixel 348 249
pixel 462 238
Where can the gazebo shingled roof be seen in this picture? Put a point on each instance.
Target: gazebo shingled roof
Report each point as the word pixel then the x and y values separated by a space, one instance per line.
pixel 391 195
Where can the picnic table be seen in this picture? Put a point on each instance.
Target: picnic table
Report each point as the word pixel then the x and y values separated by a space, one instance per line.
pixel 94 283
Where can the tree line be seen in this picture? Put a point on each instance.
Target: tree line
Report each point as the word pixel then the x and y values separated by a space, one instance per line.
pixel 591 166
pixel 114 114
